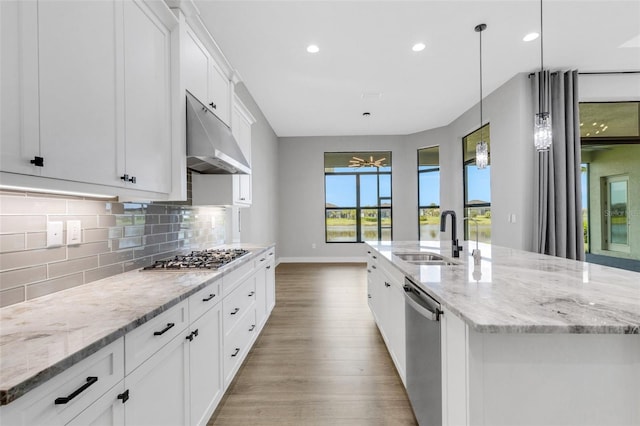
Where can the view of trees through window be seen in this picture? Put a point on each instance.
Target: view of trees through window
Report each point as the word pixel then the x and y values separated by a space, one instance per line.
pixel 357 196
pixel 477 188
pixel 429 193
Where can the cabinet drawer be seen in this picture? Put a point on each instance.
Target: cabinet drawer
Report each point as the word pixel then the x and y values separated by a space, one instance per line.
pixel 66 395
pixel 237 344
pixel 204 300
pixel 145 340
pixel 237 303
pixel 231 280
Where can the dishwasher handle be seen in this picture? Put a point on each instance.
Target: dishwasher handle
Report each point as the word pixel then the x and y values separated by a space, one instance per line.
pixel 425 307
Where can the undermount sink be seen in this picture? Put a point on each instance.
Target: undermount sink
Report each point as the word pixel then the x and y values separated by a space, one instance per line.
pixel 423 258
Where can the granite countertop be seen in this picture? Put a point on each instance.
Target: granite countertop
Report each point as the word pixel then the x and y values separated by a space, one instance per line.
pixel 42 337
pixel 514 291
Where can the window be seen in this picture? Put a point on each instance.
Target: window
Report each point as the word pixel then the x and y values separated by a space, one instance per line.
pixel 477 188
pixel 357 196
pixel 429 193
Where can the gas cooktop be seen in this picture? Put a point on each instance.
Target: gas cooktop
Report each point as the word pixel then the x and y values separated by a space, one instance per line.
pixel 211 259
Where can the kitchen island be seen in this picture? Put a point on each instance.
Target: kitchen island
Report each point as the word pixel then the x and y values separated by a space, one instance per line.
pixel 529 338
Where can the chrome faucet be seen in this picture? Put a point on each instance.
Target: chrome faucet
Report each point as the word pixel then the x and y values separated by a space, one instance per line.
pixel 455 248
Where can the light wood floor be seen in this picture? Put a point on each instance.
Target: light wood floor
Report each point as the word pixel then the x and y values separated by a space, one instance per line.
pixel 320 359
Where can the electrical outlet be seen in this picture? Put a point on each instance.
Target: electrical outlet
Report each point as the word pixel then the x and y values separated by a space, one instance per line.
pixel 74 232
pixel 54 234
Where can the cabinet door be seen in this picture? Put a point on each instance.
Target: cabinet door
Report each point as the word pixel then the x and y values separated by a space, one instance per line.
pixel 271 285
pixel 220 94
pixel 108 410
pixel 19 110
pixel 77 78
pixel 196 67
pixel 159 388
pixel 147 53
pixel 205 355
pixel 261 295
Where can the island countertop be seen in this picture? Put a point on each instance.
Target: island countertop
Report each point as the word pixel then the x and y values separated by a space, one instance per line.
pixel 514 291
pixel 44 336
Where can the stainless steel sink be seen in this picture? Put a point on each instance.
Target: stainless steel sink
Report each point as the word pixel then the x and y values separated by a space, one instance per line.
pixel 423 258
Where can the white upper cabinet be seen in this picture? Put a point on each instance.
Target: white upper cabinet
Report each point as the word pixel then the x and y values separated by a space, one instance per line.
pixel 147 54
pixel 204 78
pixel 87 101
pixel 77 90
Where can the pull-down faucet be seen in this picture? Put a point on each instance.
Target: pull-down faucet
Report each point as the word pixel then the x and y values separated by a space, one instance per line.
pixel 455 248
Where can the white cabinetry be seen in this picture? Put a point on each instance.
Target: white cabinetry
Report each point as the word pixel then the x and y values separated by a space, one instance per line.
pixel 89 97
pixel 386 300
pixel 108 410
pixel 70 393
pixel 205 353
pixel 204 78
pixel 265 287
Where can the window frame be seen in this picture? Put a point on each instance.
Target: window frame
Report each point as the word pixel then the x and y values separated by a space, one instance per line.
pixel 358 209
pixel 420 172
pixel 486 130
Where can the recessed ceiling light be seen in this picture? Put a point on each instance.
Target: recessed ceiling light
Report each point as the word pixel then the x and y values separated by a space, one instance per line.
pixel 530 37
pixel 418 47
pixel 312 48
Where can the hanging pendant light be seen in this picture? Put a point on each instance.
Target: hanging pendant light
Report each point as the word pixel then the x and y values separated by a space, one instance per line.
pixel 542 135
pixel 482 149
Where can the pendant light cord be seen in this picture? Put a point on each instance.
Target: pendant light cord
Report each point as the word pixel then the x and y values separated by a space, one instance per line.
pixel 543 84
pixel 479 28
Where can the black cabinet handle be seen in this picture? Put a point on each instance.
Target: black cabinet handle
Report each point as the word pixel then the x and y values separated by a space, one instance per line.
pixel 167 328
pixel 65 399
pixel 235 311
pixel 193 334
pixel 368 251
pixel 253 327
pixel 133 179
pixel 251 294
pixel 386 284
pixel 212 105
pixel 374 256
pixel 235 353
pixel 369 270
pixel 373 266
pixel 263 259
pixel 37 161
pixel 211 296
pixel 269 267
pixel 124 396
pixel 126 178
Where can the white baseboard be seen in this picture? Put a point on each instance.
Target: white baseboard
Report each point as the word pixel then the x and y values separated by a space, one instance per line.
pixel 342 259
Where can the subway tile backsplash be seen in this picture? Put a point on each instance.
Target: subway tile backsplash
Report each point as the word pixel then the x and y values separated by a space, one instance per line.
pixel 116 237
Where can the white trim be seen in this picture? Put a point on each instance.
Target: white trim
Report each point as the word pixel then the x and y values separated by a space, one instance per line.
pixel 341 259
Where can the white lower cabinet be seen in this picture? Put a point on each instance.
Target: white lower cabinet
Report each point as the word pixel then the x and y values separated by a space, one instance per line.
pixel 159 388
pixel 205 365
pixel 71 392
pixel 386 301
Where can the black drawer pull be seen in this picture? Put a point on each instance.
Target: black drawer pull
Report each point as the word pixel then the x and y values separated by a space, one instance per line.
pixel 124 396
pixel 65 399
pixel 263 259
pixel 235 353
pixel 269 267
pixel 192 335
pixel 235 311
pixel 211 296
pixel 373 266
pixel 253 327
pixel 251 294
pixel 386 284
pixel 212 105
pixel 374 257
pixel 37 161
pixel 167 328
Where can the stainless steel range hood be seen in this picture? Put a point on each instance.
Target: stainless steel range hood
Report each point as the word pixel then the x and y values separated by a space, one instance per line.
pixel 211 147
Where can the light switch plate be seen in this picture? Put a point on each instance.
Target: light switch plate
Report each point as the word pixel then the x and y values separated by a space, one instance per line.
pixel 54 234
pixel 74 232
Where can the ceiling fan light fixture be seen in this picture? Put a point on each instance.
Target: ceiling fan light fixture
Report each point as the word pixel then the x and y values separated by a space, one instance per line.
pixel 360 162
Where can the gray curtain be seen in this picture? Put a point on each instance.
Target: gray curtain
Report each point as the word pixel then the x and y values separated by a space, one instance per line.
pixel 558 216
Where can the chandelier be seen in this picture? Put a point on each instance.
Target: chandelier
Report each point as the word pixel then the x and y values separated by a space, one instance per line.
pixel 359 162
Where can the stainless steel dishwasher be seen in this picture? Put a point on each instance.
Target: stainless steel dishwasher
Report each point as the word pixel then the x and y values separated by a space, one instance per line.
pixel 424 369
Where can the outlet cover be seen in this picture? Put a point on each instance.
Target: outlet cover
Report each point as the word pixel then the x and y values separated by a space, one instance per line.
pixel 74 232
pixel 54 234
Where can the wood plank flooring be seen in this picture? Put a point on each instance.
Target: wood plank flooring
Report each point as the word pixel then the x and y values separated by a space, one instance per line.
pixel 320 359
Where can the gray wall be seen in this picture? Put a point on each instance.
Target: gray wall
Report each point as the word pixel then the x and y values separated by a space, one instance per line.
pixel 260 221
pixel 301 178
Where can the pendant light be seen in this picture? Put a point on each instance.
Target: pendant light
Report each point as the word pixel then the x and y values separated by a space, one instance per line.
pixel 542 135
pixel 482 149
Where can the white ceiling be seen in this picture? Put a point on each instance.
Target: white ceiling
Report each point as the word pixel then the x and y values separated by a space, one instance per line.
pixel 365 47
